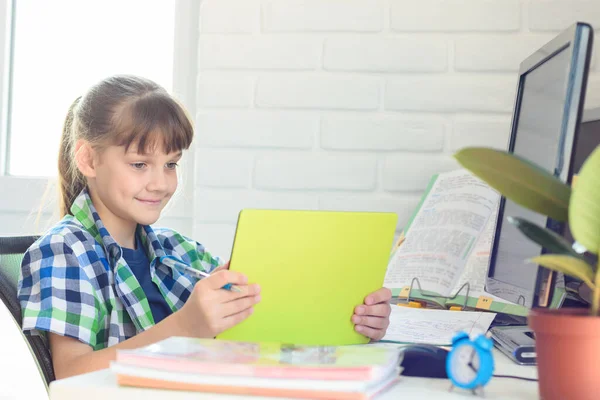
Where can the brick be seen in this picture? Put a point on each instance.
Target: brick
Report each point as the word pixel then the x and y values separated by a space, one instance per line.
pixel 318 92
pixel 385 54
pixel 220 91
pixel 256 129
pixel 493 93
pixel 496 53
pixel 483 131
pixel 412 172
pixel 217 239
pixel 558 15
pixel 312 171
pixel 230 16
pixel 226 168
pixel 402 205
pixel 455 15
pixel 263 52
pixel 323 15
pixel 383 134
pixel 224 206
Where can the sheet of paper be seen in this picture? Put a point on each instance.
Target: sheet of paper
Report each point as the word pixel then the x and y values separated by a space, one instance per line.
pixel 443 233
pixel 420 325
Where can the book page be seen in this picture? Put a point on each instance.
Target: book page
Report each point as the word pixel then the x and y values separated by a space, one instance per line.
pixel 420 325
pixel 475 272
pixel 504 290
pixel 476 267
pixel 442 233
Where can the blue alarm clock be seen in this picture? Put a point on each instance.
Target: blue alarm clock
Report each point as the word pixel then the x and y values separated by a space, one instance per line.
pixel 470 363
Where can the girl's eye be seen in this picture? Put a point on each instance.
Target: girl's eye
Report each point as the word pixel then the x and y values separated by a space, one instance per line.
pixel 172 165
pixel 138 165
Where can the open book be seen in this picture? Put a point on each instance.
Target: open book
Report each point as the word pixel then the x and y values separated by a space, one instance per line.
pixel 447 244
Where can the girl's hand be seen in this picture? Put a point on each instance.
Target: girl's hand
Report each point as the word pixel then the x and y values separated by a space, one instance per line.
pixel 221 267
pixel 211 310
pixel 373 317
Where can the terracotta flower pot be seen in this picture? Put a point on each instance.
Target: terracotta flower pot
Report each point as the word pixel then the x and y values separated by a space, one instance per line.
pixel 568 353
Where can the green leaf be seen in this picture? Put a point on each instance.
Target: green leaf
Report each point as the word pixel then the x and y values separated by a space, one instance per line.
pixel 568 265
pixel 584 210
pixel 518 180
pixel 550 240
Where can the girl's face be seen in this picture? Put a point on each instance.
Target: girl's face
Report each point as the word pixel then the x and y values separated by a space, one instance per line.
pixel 132 187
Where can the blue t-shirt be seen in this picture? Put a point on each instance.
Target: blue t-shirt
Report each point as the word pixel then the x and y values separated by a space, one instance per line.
pixel 140 266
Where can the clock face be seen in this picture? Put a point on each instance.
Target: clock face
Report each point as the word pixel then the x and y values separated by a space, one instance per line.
pixel 465 364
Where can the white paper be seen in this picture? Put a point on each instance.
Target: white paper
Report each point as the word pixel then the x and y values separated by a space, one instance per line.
pixel 443 233
pixel 421 325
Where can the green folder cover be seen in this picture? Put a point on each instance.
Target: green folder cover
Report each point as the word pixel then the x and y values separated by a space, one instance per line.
pixel 314 268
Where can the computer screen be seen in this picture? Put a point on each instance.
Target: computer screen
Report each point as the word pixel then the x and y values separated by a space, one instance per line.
pixel 588 138
pixel 548 106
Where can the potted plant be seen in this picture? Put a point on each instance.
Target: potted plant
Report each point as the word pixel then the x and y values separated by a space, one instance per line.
pixel 567 340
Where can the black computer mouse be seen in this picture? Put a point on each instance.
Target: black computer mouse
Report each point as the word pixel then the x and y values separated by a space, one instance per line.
pixel 424 360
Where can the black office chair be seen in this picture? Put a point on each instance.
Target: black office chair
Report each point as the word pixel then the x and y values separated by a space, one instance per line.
pixel 11 254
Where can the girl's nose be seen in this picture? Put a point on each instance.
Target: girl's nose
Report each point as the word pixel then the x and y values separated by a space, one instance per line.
pixel 158 181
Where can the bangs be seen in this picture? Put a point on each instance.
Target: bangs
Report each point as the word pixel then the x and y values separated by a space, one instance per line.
pixel 153 121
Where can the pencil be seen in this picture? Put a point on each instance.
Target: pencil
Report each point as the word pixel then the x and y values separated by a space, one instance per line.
pixel 199 273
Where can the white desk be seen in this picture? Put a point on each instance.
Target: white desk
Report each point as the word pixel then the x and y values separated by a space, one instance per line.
pixel 102 385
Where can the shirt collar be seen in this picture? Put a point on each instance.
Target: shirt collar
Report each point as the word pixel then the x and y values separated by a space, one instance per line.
pixel 84 211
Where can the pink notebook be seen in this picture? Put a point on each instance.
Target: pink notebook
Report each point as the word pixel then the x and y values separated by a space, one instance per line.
pixel 264 360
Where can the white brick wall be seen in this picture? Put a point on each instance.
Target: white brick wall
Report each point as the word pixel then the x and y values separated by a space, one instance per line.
pixel 323 16
pixel 384 133
pixel 264 52
pixel 482 53
pixel 256 129
pixel 557 15
pixel 353 104
pixel 230 16
pixel 318 92
pixel 216 91
pixel 456 15
pixel 315 172
pixel 385 54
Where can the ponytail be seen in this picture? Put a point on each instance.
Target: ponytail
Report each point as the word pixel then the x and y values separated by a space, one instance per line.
pixel 70 181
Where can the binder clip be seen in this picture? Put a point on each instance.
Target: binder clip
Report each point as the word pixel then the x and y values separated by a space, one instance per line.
pixel 405 300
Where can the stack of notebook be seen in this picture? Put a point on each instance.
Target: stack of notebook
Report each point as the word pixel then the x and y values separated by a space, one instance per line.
pixel 262 369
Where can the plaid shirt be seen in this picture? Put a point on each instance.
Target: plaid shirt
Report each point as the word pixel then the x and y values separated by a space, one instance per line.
pixel 75 282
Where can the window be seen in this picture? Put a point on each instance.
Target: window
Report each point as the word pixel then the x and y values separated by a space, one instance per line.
pixel 62 47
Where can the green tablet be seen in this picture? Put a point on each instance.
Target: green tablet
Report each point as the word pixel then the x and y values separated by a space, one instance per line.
pixel 314 268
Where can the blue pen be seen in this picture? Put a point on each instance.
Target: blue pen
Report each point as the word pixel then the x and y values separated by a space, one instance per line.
pixel 173 263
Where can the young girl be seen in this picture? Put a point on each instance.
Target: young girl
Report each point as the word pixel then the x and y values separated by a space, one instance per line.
pixel 97 281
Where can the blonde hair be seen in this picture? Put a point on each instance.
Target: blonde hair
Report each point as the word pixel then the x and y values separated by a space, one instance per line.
pixel 120 110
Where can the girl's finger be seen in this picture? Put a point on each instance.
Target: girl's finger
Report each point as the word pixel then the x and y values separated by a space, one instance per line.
pixel 378 310
pixel 225 296
pixel 371 322
pixel 239 305
pixel 382 295
pixel 375 334
pixel 221 278
pixel 235 319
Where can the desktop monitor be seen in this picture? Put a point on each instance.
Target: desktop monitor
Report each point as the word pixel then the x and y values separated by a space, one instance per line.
pixel 546 117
